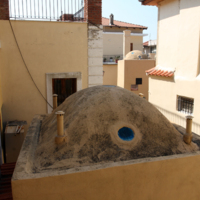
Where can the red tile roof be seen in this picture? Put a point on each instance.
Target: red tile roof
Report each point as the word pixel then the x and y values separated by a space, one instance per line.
pixel 105 22
pixel 159 72
pixel 146 43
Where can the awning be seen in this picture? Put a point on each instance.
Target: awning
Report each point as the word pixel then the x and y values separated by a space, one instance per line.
pixel 160 72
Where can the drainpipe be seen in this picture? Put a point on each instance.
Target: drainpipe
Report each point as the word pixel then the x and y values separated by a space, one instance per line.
pixel 55 97
pixel 60 138
pixel 126 42
pixel 187 137
pixel 141 95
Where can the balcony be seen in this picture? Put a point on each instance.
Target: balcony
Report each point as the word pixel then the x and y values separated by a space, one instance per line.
pixel 111 59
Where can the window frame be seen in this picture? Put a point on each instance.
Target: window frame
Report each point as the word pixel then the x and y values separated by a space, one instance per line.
pixel 185 105
pixel 137 80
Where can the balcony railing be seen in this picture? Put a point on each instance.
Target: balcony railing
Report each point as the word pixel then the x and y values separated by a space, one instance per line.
pixel 112 58
pixel 47 10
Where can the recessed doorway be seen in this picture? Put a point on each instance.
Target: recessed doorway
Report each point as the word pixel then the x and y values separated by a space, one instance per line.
pixel 64 87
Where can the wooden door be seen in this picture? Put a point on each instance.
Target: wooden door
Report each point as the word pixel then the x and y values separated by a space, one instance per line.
pixel 64 87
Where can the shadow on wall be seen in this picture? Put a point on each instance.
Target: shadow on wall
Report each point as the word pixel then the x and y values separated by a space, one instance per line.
pixel 168 79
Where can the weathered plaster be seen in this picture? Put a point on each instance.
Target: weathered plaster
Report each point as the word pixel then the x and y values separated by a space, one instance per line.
pixel 95 56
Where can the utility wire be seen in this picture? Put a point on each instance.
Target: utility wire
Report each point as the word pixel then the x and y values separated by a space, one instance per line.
pixel 27 67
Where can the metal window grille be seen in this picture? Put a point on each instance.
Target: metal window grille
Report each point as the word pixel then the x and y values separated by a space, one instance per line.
pixel 138 81
pixel 185 105
pixel 47 10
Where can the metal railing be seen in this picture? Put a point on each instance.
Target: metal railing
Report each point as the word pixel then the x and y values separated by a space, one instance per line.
pixel 179 118
pixel 47 10
pixel 112 58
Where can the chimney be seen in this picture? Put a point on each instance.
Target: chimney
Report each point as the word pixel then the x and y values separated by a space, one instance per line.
pixel 187 137
pixel 92 11
pixel 60 138
pixel 55 97
pixel 111 19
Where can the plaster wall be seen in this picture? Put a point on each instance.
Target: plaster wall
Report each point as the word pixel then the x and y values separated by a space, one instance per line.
pixel 113 43
pixel 120 74
pixel 110 74
pixel 163 178
pixel 178 48
pixel 47 47
pixel 176 32
pixel 163 93
pixel 135 69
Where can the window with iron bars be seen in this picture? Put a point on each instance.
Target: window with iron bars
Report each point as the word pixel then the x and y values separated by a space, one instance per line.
pixel 185 105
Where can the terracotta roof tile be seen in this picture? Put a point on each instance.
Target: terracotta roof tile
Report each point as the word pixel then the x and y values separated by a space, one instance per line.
pixel 146 43
pixel 159 72
pixel 105 22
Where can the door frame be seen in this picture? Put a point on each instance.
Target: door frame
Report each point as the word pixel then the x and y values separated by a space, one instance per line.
pixel 50 76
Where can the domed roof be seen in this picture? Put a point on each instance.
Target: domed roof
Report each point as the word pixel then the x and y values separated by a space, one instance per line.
pixel 135 55
pixel 106 124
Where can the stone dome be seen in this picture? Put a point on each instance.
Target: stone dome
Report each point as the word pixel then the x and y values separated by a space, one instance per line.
pixel 106 124
pixel 135 55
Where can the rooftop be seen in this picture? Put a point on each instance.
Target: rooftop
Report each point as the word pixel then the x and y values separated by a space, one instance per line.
pixel 105 22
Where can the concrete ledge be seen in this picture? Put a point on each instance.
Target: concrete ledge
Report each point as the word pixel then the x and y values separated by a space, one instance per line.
pixel 168 177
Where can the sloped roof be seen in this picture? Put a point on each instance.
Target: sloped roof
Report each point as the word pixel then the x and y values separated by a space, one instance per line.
pixel 105 22
pixel 146 43
pixel 160 72
pixel 150 43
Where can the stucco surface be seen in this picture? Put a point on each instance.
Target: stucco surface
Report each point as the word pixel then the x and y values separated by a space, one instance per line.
pixel 113 44
pixel 135 69
pixel 47 47
pixel 171 177
pixel 91 122
pixel 110 74
pixel 177 30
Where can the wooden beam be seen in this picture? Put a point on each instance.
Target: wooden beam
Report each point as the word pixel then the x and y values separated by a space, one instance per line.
pixel 151 2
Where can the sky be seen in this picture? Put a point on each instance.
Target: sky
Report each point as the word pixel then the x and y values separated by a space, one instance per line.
pixel 133 12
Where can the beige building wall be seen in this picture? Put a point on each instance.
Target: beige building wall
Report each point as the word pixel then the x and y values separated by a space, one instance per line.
pixel 134 69
pixel 171 177
pixel 178 48
pixel 110 74
pixel 113 43
pixel 47 47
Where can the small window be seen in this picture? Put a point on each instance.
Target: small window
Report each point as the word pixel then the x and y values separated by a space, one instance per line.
pixel 185 105
pixel 138 81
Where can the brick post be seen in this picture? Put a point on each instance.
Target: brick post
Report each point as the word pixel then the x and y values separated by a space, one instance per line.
pixel 92 11
pixel 4 9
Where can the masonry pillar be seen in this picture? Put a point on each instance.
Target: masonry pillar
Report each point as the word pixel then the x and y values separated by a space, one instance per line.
pixel 126 42
pixel 92 15
pixel 92 11
pixel 4 9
